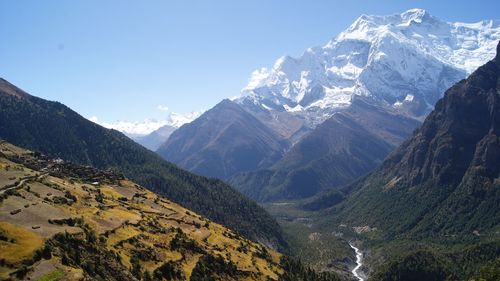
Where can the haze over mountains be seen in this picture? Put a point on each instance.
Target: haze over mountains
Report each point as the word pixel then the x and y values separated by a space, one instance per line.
pixel 381 70
pixel 150 133
pixel 153 140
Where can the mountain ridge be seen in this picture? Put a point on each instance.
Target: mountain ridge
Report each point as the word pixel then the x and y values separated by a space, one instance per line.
pixel 346 146
pixel 80 223
pixel 56 130
pixel 223 141
pixel 390 55
pixel 401 63
pixel 444 179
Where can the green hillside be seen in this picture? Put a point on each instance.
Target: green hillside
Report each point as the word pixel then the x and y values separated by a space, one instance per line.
pixel 54 129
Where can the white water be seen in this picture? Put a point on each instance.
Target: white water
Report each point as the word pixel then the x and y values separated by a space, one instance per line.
pixel 359 259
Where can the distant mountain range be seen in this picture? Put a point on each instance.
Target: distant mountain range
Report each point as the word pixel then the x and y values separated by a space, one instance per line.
pixel 56 130
pixel 384 71
pixel 155 139
pixel 150 133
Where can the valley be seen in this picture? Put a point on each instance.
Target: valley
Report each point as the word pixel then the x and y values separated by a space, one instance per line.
pixel 359 264
pixel 411 218
pixel 372 157
pixel 76 222
pixel 345 105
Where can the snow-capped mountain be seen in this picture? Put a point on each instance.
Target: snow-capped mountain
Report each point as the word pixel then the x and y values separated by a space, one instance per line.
pixel 150 133
pixel 368 88
pixel 404 61
pixel 147 126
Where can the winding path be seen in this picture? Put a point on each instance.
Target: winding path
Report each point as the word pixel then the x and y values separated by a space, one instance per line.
pixel 22 182
pixel 359 259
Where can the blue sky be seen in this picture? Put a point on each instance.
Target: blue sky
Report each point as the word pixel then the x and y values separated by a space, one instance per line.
pixel 120 60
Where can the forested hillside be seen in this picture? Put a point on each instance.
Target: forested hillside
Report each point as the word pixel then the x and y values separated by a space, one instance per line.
pixel 54 129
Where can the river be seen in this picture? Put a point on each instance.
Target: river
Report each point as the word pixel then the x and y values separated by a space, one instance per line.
pixel 359 259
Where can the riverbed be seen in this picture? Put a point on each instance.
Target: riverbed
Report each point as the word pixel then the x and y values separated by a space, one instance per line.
pixel 359 263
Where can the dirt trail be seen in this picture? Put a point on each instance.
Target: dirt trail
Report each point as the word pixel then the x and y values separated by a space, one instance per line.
pixel 22 182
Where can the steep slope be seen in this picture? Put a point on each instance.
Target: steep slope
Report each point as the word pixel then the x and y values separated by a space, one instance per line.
pixel 222 142
pixel 61 221
pixel 444 181
pixel 405 60
pixel 153 140
pixel 346 146
pixel 400 63
pixel 431 209
pixel 56 130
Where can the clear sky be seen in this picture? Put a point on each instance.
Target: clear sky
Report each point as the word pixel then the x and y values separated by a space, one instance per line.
pixel 120 60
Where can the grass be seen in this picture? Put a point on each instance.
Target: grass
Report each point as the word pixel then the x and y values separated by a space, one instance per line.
pixel 151 222
pixel 189 266
pixel 24 244
pixel 110 193
pixel 52 276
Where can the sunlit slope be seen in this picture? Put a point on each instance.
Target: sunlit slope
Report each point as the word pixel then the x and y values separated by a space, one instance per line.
pixel 55 130
pixel 66 221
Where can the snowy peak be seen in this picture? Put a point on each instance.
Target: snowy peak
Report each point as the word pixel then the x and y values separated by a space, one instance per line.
pixel 147 126
pixel 366 27
pixel 418 16
pixel 465 46
pixel 405 61
pixel 415 15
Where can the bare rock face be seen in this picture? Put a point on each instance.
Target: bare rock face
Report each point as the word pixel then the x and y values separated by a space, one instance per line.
pixel 457 134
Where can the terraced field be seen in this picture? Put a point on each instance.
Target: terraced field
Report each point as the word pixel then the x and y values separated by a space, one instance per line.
pixel 64 228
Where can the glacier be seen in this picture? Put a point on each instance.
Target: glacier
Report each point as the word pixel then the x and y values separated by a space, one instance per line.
pixel 403 62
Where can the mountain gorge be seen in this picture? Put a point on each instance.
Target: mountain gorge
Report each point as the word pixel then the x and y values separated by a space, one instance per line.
pixel 444 179
pixel 430 210
pixel 56 130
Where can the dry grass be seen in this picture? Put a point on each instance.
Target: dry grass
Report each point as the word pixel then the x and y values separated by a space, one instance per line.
pixel 133 217
pixel 25 243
